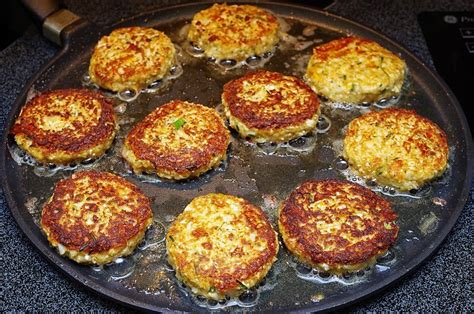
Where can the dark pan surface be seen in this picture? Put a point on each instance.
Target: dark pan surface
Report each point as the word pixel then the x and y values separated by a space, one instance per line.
pixel 263 179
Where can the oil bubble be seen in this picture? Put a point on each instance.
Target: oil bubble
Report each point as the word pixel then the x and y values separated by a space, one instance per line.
pixel 128 95
pixel 175 71
pixel 267 148
pixel 121 268
pixel 386 102
pixel 154 235
pixel 303 144
pixel 86 79
pixel 341 164
pixel 253 61
pixel 249 297
pixel 227 64
pixel 323 125
pixel 153 87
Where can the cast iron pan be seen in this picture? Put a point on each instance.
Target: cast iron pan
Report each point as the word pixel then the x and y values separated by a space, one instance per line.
pixel 425 217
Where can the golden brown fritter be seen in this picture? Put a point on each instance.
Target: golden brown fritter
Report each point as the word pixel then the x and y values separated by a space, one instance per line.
pixel 234 31
pixel 355 70
pixel 269 106
pixel 66 126
pixel 396 147
pixel 131 58
pixel 178 140
pixel 221 245
pixel 336 226
pixel 96 217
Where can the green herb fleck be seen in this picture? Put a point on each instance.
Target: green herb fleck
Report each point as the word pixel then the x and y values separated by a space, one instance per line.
pixel 387 225
pixel 242 286
pixel 220 227
pixel 171 238
pixel 178 124
pixel 389 135
pixel 92 240
pixel 212 289
pixel 353 87
pixel 344 77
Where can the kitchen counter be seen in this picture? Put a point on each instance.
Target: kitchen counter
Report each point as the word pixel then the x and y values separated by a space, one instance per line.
pixel 30 283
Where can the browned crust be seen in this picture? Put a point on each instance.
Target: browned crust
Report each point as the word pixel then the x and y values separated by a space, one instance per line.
pixel 185 159
pixel 85 136
pixel 335 48
pixel 300 223
pixel 266 22
pixel 227 278
pixel 76 235
pixel 131 66
pixel 260 115
pixel 224 17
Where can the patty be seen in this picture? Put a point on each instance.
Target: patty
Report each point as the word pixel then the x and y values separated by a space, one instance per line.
pixel 336 226
pixel 96 217
pixel 268 106
pixel 396 147
pixel 234 31
pixel 178 140
pixel 355 70
pixel 221 245
pixel 66 126
pixel 131 58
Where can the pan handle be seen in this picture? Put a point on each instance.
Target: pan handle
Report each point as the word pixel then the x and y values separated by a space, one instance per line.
pixel 51 18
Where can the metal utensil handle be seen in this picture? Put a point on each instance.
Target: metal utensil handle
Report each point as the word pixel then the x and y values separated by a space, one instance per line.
pixel 51 18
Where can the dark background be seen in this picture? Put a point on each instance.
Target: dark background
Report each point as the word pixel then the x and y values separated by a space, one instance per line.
pixel 13 22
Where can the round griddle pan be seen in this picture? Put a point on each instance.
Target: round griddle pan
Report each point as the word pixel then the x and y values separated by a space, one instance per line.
pixel 263 179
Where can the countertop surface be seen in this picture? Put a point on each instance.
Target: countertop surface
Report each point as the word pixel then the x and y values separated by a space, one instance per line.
pixel 29 283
